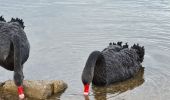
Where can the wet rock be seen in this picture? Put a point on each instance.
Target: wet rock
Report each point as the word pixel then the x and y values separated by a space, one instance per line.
pixel 38 89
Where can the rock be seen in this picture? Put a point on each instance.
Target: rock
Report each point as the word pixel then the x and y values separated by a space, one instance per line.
pixel 38 89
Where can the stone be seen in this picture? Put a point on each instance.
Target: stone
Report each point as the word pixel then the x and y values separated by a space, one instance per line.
pixel 39 89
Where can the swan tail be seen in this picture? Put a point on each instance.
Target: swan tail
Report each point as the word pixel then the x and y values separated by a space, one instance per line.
pixel 140 50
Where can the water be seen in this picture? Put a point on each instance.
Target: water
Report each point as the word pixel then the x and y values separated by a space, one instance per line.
pixel 62 33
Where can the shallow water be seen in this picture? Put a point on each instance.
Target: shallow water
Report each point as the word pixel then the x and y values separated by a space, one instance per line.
pixel 62 33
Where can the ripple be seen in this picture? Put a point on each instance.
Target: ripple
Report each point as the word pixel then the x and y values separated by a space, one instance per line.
pixel 20 5
pixel 70 3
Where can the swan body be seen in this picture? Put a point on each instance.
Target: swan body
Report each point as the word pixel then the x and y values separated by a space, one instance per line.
pixel 115 63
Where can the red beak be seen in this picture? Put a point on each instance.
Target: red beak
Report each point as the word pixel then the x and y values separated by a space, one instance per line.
pixel 86 89
pixel 20 92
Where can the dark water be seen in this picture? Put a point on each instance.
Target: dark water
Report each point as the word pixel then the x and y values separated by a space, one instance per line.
pixel 62 33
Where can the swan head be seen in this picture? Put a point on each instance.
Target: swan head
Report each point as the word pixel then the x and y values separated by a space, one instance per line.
pixel 86 79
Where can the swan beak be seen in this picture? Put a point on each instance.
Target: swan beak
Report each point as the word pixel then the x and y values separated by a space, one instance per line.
pixel 86 89
pixel 20 92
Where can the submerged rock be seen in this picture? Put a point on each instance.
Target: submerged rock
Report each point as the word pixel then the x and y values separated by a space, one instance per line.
pixel 38 89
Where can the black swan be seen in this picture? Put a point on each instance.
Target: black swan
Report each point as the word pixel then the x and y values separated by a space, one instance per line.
pixel 115 63
pixel 14 49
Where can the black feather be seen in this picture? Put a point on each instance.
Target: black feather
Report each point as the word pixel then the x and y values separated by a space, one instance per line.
pixel 119 43
pixel 126 45
pixel 20 21
pixel 2 19
pixel 114 43
pixel 140 51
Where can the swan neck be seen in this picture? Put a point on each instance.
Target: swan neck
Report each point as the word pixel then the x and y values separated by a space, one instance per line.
pixel 88 71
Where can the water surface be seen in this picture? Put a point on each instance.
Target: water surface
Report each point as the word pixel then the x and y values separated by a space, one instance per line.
pixel 62 34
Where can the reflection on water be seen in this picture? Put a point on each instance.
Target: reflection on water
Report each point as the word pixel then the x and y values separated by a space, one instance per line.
pixel 100 93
